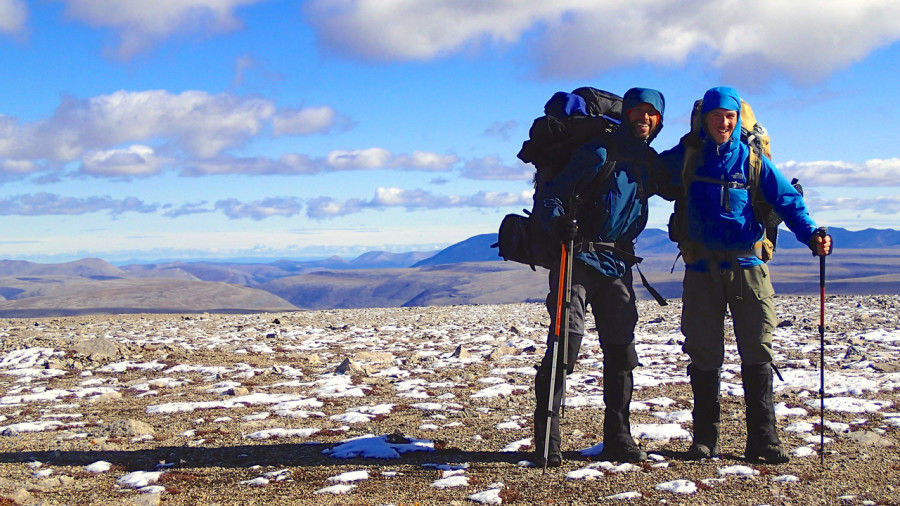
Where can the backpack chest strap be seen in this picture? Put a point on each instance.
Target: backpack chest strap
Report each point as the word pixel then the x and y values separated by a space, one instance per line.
pixel 733 185
pixel 620 250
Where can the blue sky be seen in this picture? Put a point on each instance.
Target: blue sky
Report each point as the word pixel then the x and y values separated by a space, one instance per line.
pixel 190 129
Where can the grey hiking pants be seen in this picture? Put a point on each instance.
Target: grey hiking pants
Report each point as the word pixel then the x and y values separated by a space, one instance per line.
pixel 612 301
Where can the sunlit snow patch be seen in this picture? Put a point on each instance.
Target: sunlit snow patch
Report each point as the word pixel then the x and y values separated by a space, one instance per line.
pixel 659 432
pixel 336 489
pixel 138 479
pixel 677 487
pixel 101 466
pixel 738 470
pixel 850 404
pixel 489 496
pixel 378 447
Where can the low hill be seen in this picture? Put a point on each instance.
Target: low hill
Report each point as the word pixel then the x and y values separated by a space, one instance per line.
pixel 464 283
pixel 474 249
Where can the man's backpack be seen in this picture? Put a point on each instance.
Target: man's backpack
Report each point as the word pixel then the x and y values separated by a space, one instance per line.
pixel 570 120
pixel 757 138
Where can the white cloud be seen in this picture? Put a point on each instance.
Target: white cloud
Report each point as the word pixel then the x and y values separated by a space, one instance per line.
pixel 805 39
pixel 414 199
pixel 421 160
pixel 306 121
pixel 358 159
pixel 199 123
pixel 51 204
pixel 490 168
pixel 112 134
pixel 380 158
pixel 17 166
pixel 287 164
pixel 186 209
pixel 260 210
pixel 338 160
pixel 871 173
pixel 398 197
pixel 140 24
pixel 423 29
pixel 866 209
pixel 884 205
pixel 500 199
pixel 327 207
pixel 418 198
pixel 135 160
pixel 13 16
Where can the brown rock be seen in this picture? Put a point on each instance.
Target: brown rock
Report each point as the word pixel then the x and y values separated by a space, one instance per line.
pixel 500 353
pixel 96 349
pixel 20 496
pixel 869 438
pixel 886 367
pixel 108 396
pixel 376 357
pixel 125 428
pixel 460 353
pixel 350 367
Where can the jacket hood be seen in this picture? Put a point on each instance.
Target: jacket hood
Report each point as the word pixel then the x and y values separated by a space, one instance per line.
pixel 637 96
pixel 722 97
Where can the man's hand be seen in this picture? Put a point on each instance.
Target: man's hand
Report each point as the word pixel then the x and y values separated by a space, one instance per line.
pixel 563 228
pixel 820 243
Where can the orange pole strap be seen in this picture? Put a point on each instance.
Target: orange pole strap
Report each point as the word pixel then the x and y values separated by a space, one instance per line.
pixel 560 296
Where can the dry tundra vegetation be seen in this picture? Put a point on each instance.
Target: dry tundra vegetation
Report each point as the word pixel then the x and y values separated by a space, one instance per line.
pixel 254 408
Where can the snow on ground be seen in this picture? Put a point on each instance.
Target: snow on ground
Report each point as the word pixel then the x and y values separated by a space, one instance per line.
pixel 851 389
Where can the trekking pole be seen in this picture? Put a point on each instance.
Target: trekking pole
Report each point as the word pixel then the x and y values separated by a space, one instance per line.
pixel 556 337
pixel 822 232
pixel 560 332
pixel 567 287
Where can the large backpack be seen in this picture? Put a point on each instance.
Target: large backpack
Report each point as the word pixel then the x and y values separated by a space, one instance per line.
pixel 757 138
pixel 570 120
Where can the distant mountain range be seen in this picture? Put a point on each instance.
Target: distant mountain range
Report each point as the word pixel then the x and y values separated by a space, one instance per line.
pixel 654 241
pixel 468 272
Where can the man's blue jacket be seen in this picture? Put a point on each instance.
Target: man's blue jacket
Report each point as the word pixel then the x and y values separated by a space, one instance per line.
pixel 609 209
pixel 733 227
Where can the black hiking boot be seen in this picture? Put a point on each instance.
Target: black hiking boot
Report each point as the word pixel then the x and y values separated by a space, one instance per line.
pixel 542 399
pixel 618 445
pixel 762 436
pixel 770 454
pixel 623 450
pixel 553 460
pixel 706 414
pixel 542 393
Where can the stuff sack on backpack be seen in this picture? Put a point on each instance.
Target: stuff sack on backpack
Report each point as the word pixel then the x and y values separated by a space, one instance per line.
pixel 522 239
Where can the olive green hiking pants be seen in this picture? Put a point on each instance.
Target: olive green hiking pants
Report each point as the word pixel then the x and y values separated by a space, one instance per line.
pixel 748 294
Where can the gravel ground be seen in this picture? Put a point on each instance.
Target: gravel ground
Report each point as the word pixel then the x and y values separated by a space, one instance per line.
pixel 114 373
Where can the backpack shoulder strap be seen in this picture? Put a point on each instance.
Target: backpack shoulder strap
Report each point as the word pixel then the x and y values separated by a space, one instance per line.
pixel 754 168
pixel 692 145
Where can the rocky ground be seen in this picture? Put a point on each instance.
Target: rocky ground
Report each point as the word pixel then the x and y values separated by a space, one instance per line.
pixel 253 409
